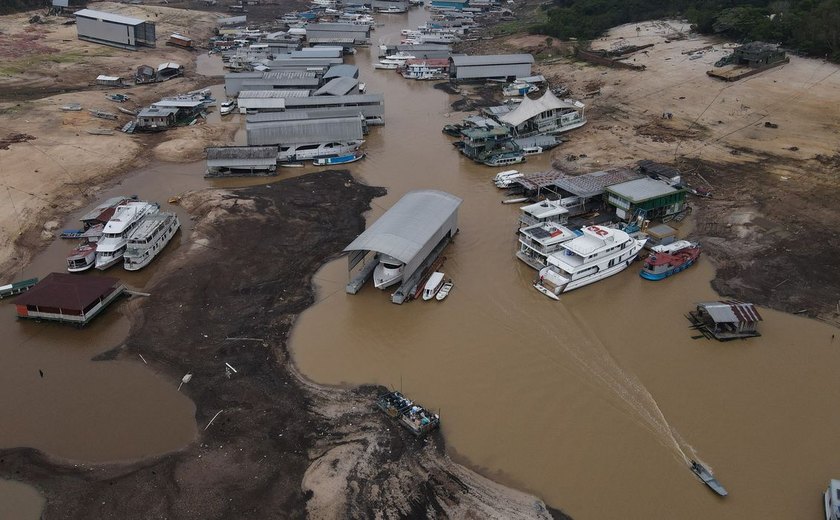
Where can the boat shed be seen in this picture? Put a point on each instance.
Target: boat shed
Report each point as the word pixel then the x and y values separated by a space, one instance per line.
pixel 414 231
pixel 423 50
pixel 321 51
pixel 312 131
pixel 114 29
pixel 372 106
pixel 342 71
pixel 726 320
pixel 494 66
pixel 239 161
pixel 647 198
pixel 285 80
pixel 337 33
pixel 68 298
pixel 338 87
pixel 282 63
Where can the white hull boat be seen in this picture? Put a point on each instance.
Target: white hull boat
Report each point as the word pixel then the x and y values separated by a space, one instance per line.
pixel 433 285
pixel 308 152
pixel 81 258
pixel 831 499
pixel 599 253
pixel 444 291
pixel 149 239
pixel 387 272
pixel 111 246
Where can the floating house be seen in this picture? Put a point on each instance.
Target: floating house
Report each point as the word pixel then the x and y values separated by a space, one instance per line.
pixel 579 193
pixel 68 298
pixel 305 132
pixel 154 119
pixel 274 80
pixel 645 198
pixel 257 101
pixel 240 161
pixel 495 66
pixel 413 232
pixel 114 30
pixel 546 115
pixel 726 320
pixel 109 81
pixel 343 34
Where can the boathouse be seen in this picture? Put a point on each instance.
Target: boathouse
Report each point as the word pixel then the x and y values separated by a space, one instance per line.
pixel 68 298
pixel 413 231
pixel 646 198
pixel 114 29
pixel 345 34
pixel 241 161
pixel 338 87
pixel 546 115
pixel 342 71
pixel 278 80
pixel 494 66
pixel 311 131
pixel 726 320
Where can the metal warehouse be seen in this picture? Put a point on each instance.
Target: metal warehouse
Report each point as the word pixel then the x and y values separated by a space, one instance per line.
pixel 338 87
pixel 304 132
pixel 286 80
pixel 228 161
pixel 114 30
pixel 414 232
pixel 372 106
pixel 337 32
pixel 500 66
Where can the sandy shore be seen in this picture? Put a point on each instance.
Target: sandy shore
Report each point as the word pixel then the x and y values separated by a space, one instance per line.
pixel 59 166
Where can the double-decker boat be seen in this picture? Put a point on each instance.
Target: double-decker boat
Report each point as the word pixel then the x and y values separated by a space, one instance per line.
pixel 598 253
pixel 111 246
pixel 149 238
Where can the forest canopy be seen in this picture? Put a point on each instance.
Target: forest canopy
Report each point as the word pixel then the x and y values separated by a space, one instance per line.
pixel 809 26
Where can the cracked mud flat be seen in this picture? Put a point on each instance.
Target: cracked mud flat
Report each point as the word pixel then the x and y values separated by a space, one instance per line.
pixel 281 446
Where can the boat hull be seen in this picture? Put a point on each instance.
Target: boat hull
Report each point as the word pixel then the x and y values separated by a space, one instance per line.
pixel 647 275
pixel 112 261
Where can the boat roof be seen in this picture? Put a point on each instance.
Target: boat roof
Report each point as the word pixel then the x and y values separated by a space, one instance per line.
pixel 148 225
pixel 547 233
pixel 96 212
pixel 434 280
pixel 544 209
pixel 68 291
pixel 124 215
pixel 641 190
pixel 595 238
pixel 530 108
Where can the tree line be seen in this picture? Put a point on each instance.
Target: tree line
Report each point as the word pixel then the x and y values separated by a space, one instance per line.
pixel 808 26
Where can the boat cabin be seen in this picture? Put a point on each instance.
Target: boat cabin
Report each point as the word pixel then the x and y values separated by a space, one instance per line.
pixel 538 241
pixel 543 211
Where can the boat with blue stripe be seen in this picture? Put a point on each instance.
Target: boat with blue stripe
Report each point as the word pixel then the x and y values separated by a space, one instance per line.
pixel 669 260
pixel 339 159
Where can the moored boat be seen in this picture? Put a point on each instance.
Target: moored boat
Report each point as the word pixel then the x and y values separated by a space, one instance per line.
pixel 663 263
pixel 149 238
pixel 387 272
pixel 82 258
pixel 433 285
pixel 598 253
pixel 111 246
pixel 706 476
pixel 505 179
pixel 444 291
pixel 339 159
pixel 831 498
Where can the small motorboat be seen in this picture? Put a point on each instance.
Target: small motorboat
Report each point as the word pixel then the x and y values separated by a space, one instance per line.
pixel 292 165
pixel 433 285
pixel 444 291
pixel 831 497
pixel 706 476
pixel 339 159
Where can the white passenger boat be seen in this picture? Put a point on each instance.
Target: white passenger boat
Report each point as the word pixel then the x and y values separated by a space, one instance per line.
pixel 386 64
pixel 81 258
pixel 149 238
pixel 433 285
pixel 111 246
pixel 831 497
pixel 598 253
pixel 538 241
pixel 505 178
pixel 387 272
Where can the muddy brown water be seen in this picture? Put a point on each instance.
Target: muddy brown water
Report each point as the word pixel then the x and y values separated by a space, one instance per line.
pixel 591 402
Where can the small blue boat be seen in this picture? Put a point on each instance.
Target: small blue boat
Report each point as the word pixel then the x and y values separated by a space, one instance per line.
pixel 339 159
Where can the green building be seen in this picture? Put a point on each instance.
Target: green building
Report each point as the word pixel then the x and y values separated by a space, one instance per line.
pixel 645 197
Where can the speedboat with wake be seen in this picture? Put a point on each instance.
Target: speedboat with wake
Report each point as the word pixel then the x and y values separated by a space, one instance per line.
pixel 704 474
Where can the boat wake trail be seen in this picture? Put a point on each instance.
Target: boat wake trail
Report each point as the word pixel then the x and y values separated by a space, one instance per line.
pixel 593 359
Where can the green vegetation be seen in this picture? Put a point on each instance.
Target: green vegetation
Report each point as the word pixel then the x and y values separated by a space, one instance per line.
pixel 810 26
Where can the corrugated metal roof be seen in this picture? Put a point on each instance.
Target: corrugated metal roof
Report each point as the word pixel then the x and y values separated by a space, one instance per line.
pixel 731 311
pixel 492 59
pixel 640 190
pixel 157 112
pixel 591 184
pixel 324 52
pixel 350 40
pixel 241 152
pixel 338 27
pixel 272 94
pixel 337 87
pixel 297 115
pixel 406 227
pixel 335 100
pixel 69 292
pixel 305 132
pixel 262 103
pixel 177 103
pixel 109 17
pixel 342 71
